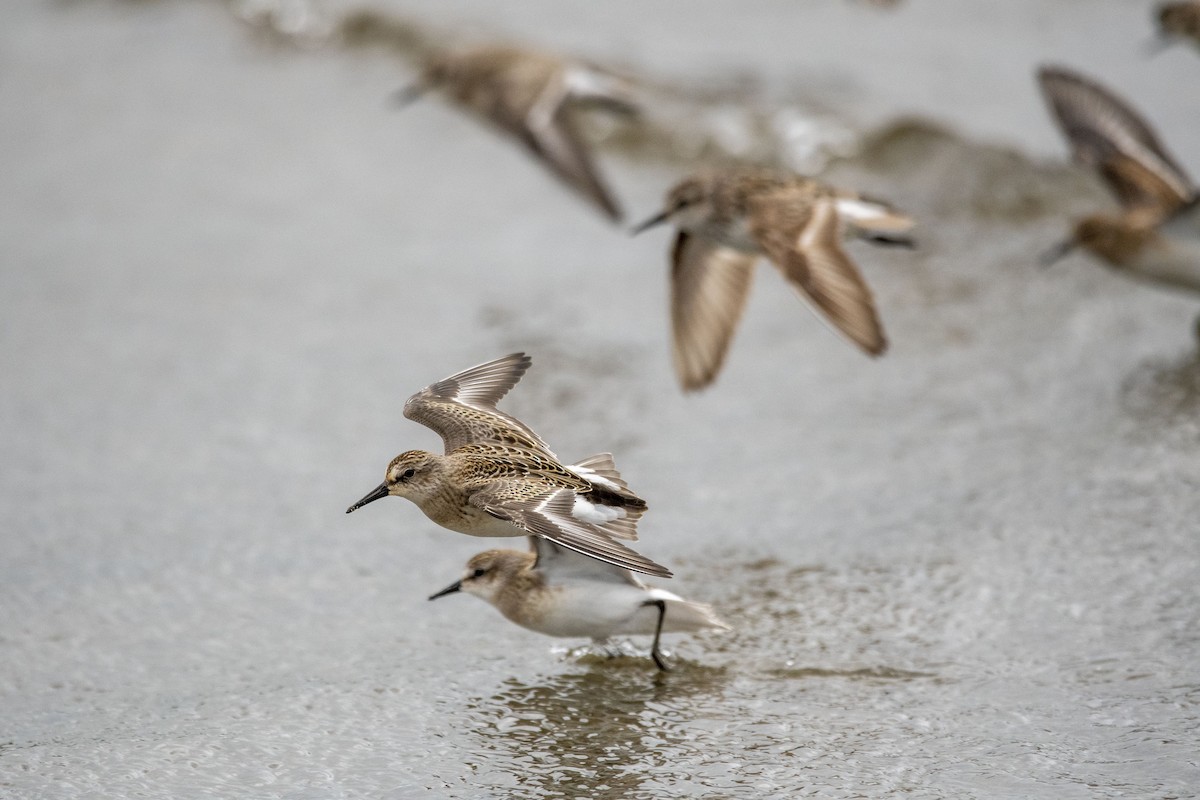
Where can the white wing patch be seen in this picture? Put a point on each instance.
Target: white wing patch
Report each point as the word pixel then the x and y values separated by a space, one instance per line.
pixel 595 514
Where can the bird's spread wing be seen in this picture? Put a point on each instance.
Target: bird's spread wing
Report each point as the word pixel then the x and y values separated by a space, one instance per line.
pixel 1108 135
pixel 462 408
pixel 709 286
pixel 558 563
pixel 814 262
pixel 548 514
pixel 549 133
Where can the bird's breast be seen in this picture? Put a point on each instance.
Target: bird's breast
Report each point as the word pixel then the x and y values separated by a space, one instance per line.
pixel 734 233
pixel 593 609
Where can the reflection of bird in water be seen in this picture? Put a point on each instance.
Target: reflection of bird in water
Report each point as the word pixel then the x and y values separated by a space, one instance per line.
pixel 1156 235
pixel 498 478
pixel 531 97
pixel 558 592
pixel 589 727
pixel 727 219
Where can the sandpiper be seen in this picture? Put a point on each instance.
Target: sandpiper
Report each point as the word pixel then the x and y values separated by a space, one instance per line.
pixel 557 592
pixel 530 96
pixel 498 478
pixel 728 218
pixel 1156 237
pixel 1179 22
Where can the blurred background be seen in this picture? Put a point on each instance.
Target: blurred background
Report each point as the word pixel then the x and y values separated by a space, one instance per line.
pixel 967 569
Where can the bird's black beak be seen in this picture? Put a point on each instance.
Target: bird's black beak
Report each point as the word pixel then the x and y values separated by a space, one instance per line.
pixel 451 589
pixel 378 492
pixel 406 96
pixel 657 219
pixel 1056 253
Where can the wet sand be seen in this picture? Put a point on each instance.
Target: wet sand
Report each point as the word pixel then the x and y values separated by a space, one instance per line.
pixel 967 569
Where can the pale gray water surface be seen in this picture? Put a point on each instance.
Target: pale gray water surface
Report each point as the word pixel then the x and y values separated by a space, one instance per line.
pixel 966 570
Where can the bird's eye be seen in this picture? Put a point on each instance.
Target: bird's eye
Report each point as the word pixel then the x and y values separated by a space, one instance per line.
pixel 479 572
pixel 408 473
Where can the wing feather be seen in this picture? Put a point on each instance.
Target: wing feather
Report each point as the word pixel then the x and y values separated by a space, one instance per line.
pixel 1107 134
pixel 709 287
pixel 548 515
pixel 557 563
pixel 601 469
pixel 817 266
pixel 550 134
pixel 462 408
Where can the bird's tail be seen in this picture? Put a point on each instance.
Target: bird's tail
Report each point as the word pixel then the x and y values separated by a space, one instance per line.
pixel 875 221
pixel 683 615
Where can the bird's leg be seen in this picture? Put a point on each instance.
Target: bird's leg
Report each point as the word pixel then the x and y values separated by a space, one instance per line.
pixel 655 653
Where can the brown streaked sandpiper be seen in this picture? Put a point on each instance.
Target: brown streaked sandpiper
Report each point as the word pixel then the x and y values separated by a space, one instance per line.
pixel 728 218
pixel 498 478
pixel 1178 22
pixel 1156 236
pixel 531 97
pixel 555 591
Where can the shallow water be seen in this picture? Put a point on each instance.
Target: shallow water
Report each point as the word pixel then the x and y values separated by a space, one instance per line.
pixel 965 570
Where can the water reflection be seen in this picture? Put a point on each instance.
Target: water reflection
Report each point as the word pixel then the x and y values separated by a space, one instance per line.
pixel 815 667
pixel 606 727
pixel 863 673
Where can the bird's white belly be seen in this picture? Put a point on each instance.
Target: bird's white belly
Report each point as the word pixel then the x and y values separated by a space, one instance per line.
pixel 734 234
pixel 1173 261
pixel 595 610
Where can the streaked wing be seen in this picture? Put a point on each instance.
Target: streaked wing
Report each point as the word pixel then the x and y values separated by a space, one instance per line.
pixel 558 563
pixel 548 132
pixel 548 514
pixel 709 286
pixel 815 263
pixel 1105 133
pixel 462 408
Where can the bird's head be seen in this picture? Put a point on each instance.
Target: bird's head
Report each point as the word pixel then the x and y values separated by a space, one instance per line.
pixel 412 475
pixel 688 205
